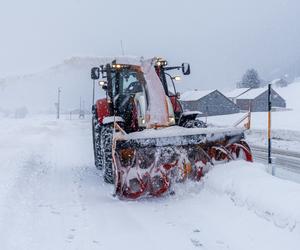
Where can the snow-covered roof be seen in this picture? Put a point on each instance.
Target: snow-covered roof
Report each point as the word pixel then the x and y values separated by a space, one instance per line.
pixel 193 95
pixel 252 93
pixel 130 60
pixel 236 92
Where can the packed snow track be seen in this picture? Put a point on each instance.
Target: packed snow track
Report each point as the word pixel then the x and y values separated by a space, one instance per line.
pixel 52 197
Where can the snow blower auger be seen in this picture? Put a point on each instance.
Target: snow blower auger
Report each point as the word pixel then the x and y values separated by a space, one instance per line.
pixel 143 140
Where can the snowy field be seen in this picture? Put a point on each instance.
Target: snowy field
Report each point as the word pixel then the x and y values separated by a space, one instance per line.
pixel 52 197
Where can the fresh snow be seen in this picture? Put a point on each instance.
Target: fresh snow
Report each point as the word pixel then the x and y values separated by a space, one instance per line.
pixel 175 131
pixel 236 92
pixel 269 197
pixel 52 197
pixel 252 93
pixel 111 119
pixel 194 95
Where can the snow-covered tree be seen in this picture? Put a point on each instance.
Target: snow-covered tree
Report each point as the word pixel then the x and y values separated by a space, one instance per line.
pixel 281 82
pixel 250 79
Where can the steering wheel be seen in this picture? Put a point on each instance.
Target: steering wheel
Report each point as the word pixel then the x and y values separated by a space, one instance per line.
pixel 133 87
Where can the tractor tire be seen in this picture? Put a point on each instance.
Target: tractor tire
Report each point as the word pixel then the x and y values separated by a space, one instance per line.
pixel 106 145
pixel 96 128
pixel 194 124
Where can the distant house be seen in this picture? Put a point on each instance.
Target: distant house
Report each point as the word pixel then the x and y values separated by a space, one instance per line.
pixel 256 100
pixel 208 102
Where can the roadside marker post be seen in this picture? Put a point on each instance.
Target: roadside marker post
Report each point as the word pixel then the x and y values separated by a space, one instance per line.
pixel 269 131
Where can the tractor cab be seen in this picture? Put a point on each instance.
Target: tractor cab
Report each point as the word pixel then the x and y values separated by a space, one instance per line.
pixel 124 86
pixel 127 95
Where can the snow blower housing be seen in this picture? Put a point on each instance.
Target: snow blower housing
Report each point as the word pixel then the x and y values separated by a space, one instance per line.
pixel 142 138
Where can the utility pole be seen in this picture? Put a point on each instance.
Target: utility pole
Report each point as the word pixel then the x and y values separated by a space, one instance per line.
pixel 269 129
pixel 81 109
pixel 58 102
pixel 80 105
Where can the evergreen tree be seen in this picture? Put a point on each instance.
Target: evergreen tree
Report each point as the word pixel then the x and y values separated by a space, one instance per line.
pixel 250 79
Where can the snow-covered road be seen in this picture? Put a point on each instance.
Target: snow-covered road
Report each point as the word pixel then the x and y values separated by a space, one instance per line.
pixel 52 197
pixel 286 164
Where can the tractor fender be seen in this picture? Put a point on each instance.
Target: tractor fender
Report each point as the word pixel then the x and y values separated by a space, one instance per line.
pixel 112 119
pixel 102 110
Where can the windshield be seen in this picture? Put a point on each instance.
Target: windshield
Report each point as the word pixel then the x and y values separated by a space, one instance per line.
pixel 126 82
pixel 130 82
pixel 170 85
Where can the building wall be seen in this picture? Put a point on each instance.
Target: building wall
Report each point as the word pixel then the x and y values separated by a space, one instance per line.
pixel 214 103
pixel 243 104
pixel 260 103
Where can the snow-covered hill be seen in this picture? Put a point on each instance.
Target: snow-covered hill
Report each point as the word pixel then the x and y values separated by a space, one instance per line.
pixel 38 92
pixel 291 94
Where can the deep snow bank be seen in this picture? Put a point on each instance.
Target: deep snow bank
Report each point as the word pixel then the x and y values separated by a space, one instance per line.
pixel 247 184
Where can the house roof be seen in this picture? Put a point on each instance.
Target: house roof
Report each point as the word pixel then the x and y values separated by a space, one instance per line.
pixel 252 93
pixel 236 92
pixel 194 95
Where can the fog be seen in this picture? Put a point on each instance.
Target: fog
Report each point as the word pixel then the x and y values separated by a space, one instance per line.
pixel 220 39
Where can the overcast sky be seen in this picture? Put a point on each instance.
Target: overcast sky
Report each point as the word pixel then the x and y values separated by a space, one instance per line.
pixel 221 39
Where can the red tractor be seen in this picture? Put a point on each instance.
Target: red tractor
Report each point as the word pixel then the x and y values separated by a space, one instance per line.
pixel 143 139
pixel 124 82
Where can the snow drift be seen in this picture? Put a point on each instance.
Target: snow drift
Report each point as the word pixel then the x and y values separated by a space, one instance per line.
pixel 248 185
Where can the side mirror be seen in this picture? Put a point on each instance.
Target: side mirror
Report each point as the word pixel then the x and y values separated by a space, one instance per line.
pixel 178 95
pixel 186 69
pixel 95 73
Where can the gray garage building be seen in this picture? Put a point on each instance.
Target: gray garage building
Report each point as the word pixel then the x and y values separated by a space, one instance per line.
pixel 209 102
pixel 256 100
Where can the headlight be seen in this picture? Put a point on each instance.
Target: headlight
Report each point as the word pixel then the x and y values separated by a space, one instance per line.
pixel 171 120
pixel 161 62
